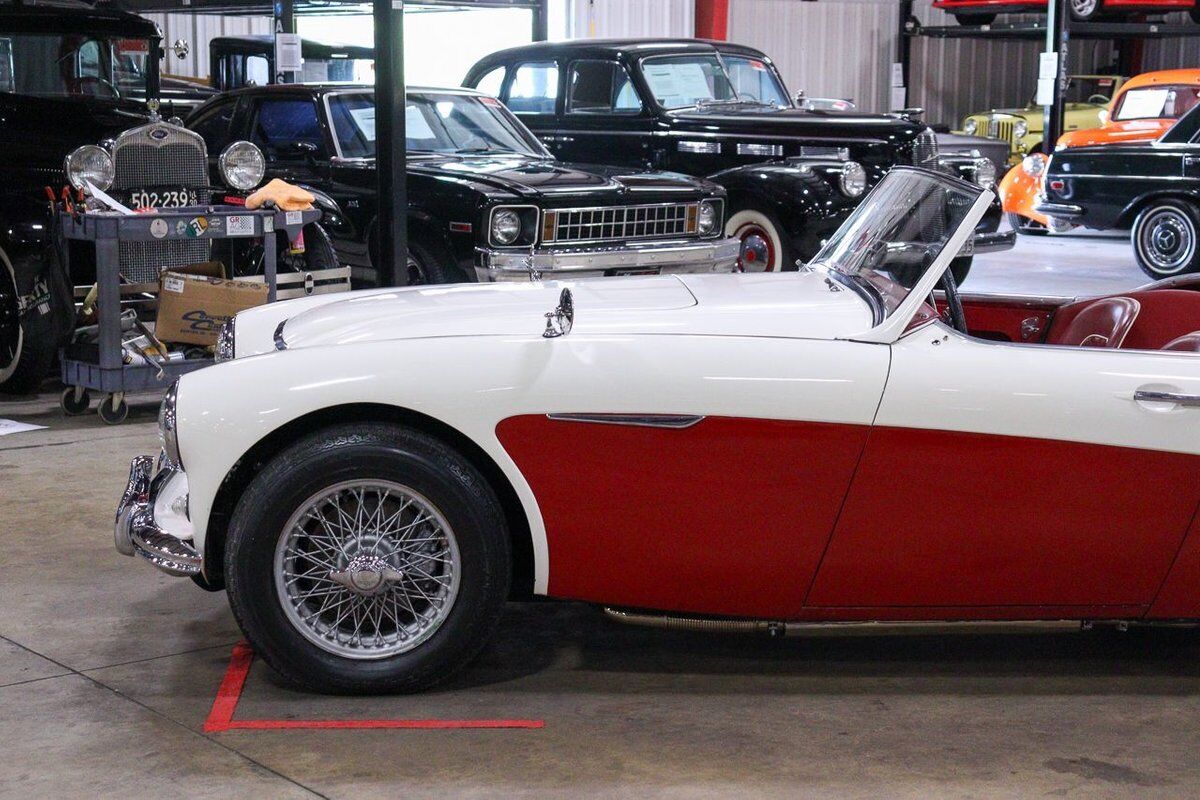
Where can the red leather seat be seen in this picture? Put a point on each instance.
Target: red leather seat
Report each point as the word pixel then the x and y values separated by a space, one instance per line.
pixel 1188 343
pixel 1096 323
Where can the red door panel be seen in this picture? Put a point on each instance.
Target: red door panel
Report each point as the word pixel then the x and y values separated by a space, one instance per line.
pixel 1179 597
pixel 1006 319
pixel 729 516
pixel 940 518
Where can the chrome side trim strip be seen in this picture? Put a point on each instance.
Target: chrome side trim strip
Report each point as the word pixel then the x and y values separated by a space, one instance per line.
pixel 671 421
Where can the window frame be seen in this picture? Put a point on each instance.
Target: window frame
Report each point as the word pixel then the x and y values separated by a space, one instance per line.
pixel 251 128
pixel 613 111
pixel 511 77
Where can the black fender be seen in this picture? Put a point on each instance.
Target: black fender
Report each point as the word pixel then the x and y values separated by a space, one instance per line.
pixel 803 196
pixel 27 237
pixel 1131 210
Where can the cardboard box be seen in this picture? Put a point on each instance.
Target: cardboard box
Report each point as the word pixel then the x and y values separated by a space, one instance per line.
pixel 192 308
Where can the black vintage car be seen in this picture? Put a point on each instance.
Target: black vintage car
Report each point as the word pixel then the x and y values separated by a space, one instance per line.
pixel 1151 188
pixel 717 110
pixel 486 201
pixel 70 74
pixel 238 61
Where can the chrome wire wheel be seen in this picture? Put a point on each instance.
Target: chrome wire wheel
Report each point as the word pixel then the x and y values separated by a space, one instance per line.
pixel 367 569
pixel 1166 239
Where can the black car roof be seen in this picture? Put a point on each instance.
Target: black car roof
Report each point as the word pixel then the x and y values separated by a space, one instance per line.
pixel 309 48
pixel 610 47
pixel 334 86
pixel 73 16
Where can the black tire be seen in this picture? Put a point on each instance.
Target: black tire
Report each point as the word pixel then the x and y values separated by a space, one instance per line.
pixel 975 19
pixel 1166 238
pixel 368 452
pixel 960 267
pixel 1025 226
pixel 29 338
pixel 1195 15
pixel 423 266
pixel 74 406
pixel 112 413
pixel 766 247
pixel 318 251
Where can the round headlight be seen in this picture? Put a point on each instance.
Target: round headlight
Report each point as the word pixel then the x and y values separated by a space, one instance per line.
pixel 167 425
pixel 970 126
pixel 706 219
pixel 985 172
pixel 90 164
pixel 242 166
pixel 1034 165
pixel 506 226
pixel 1020 129
pixel 853 180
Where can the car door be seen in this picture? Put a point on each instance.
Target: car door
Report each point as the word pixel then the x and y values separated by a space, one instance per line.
pixel 531 90
pixel 604 118
pixel 1009 480
pixel 288 130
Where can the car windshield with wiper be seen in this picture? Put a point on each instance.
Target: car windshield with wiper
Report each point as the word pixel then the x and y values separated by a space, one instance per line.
pixel 73 65
pixel 708 79
pixel 896 234
pixel 435 122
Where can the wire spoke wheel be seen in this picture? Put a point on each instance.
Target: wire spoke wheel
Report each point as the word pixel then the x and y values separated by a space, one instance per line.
pixel 1084 9
pixel 367 569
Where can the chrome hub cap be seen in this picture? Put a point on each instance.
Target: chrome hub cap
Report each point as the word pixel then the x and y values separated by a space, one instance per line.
pixel 1167 241
pixel 367 569
pixel 757 254
pixel 1084 8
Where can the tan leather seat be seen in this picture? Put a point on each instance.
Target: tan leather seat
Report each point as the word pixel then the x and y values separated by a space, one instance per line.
pixel 1101 323
pixel 1188 343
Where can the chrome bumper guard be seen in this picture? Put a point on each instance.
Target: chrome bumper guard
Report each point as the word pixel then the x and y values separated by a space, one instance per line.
pixel 996 242
pixel 1059 210
pixel 136 532
pixel 719 255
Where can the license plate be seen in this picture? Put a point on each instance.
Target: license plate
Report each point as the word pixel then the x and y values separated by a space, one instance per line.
pixel 162 198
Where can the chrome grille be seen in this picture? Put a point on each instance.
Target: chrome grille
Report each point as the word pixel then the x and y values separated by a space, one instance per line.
pixel 620 222
pixel 925 149
pixel 1001 129
pixel 167 156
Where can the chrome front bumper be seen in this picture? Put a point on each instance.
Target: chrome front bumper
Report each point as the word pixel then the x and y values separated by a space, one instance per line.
pixel 714 255
pixel 138 531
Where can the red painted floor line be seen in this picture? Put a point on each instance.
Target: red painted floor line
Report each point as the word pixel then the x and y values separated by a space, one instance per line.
pixel 220 718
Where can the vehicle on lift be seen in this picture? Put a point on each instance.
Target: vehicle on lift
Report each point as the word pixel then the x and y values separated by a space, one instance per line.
pixel 1024 128
pixel 717 110
pixel 1143 110
pixel 239 61
pixel 70 74
pixel 1151 188
pixel 486 201
pixel 394 465
pixel 984 12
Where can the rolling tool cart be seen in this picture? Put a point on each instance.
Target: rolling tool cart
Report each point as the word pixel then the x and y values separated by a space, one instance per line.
pixel 101 367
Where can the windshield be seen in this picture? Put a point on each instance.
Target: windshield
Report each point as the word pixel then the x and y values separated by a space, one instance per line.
pixel 896 233
pixel 72 65
pixel 681 81
pixel 434 123
pixel 1157 102
pixel 1090 89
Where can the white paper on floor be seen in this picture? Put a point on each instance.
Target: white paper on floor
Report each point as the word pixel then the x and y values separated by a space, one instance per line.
pixel 8 426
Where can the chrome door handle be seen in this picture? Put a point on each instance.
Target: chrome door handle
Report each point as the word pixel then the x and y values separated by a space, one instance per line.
pixel 558 138
pixel 1185 400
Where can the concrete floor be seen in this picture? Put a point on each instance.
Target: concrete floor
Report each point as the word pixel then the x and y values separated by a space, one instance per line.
pixel 108 671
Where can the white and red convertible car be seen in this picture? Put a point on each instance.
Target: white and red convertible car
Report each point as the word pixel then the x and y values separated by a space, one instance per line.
pixel 371 476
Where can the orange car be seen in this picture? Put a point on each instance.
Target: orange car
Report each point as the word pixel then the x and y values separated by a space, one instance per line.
pixel 1143 110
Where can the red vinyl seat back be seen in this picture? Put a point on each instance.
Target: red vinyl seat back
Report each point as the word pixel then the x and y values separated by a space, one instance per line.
pixel 1188 343
pixel 1164 315
pixel 1096 323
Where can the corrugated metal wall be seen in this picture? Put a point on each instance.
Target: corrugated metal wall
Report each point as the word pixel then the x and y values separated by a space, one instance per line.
pixel 589 19
pixel 845 48
pixel 197 30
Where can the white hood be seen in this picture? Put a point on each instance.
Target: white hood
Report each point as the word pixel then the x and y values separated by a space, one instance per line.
pixel 799 305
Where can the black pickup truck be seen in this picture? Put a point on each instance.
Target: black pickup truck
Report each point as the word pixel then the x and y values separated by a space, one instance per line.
pixel 720 111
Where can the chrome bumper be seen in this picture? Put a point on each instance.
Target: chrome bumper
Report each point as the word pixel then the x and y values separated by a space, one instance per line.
pixel 995 242
pixel 137 533
pixel 720 255
pixel 1059 210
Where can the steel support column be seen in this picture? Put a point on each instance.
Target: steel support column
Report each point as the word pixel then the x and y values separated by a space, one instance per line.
pixel 1057 41
pixel 390 138
pixel 284 22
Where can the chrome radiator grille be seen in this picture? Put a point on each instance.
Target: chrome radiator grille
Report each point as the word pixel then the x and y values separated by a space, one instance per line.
pixel 925 149
pixel 160 155
pixel 1001 129
pixel 658 221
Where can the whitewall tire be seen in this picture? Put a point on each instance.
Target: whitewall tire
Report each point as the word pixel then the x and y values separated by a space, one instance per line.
pixel 762 246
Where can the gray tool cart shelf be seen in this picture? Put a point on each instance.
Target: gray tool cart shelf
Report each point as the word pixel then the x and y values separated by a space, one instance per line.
pixel 101 367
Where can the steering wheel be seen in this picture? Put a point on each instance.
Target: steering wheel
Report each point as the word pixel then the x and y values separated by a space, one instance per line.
pixel 958 318
pixel 80 85
pixel 1098 99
